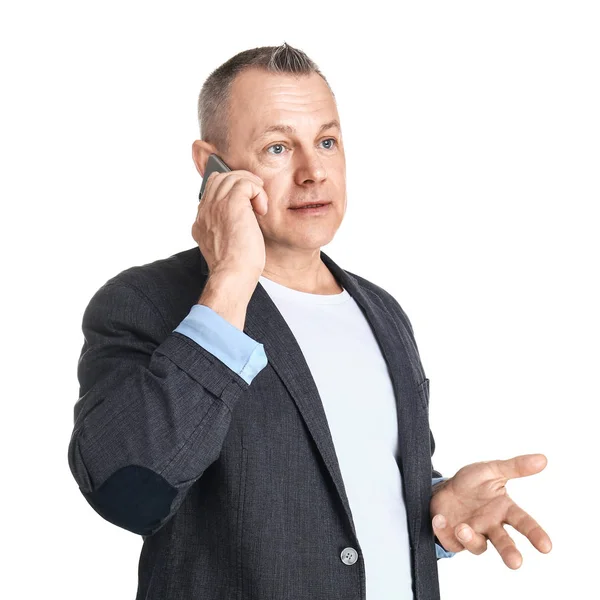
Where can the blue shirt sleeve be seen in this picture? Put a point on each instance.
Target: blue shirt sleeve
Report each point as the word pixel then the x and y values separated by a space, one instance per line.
pixel 439 551
pixel 229 344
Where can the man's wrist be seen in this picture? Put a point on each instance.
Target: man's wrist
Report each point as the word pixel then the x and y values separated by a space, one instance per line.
pixel 440 485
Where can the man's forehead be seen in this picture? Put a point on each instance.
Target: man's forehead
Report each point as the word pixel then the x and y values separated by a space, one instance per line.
pixel 280 102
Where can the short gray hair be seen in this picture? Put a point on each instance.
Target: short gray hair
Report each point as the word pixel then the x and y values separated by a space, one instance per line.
pixel 213 101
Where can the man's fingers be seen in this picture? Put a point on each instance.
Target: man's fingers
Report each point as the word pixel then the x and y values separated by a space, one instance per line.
pixel 516 517
pixel 225 181
pixel 444 534
pixel 249 175
pixel 474 542
pixel 506 547
pixel 451 541
pixel 209 182
pixel 237 183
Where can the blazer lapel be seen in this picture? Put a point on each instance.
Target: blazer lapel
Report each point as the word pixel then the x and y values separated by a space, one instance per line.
pixel 401 356
pixel 265 324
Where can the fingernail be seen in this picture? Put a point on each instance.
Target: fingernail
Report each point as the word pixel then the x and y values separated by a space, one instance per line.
pixel 439 522
pixel 465 534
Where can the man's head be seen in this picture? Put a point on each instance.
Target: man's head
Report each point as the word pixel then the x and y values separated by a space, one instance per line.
pixel 300 161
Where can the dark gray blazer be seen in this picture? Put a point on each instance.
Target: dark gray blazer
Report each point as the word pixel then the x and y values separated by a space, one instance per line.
pixel 235 487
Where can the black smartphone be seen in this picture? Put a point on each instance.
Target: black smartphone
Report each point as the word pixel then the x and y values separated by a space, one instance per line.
pixel 214 163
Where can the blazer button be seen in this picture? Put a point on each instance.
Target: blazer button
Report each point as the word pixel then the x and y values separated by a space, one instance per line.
pixel 349 556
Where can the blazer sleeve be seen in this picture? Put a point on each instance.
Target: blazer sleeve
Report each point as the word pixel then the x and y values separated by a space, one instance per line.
pixel 153 411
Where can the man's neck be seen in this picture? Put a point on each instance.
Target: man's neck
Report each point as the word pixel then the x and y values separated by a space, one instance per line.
pixel 320 281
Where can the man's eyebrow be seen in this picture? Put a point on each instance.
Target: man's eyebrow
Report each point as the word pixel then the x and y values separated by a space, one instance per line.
pixel 289 130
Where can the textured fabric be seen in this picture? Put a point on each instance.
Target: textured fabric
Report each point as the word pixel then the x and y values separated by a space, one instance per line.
pixel 315 321
pixel 260 509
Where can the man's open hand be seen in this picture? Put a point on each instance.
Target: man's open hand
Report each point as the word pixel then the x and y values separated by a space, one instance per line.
pixel 475 500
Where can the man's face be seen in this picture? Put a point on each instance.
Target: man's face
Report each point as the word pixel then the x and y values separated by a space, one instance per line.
pixel 302 162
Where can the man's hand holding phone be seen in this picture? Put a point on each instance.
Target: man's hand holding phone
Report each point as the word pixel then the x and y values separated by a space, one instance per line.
pixel 226 228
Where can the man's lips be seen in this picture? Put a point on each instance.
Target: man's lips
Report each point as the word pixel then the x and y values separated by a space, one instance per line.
pixel 311 204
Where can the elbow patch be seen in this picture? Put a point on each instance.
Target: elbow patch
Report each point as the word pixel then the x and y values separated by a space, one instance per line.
pixel 134 498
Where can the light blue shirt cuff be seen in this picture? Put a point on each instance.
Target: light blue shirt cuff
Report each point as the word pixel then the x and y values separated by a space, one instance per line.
pixel 242 354
pixel 439 551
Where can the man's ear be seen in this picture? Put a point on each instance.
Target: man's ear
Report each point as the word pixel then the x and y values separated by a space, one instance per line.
pixel 201 150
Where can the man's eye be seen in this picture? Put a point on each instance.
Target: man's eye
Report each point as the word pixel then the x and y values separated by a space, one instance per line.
pixel 332 140
pixel 275 146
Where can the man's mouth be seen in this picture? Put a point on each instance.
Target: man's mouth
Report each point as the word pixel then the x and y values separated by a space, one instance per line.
pixel 310 209
pixel 310 205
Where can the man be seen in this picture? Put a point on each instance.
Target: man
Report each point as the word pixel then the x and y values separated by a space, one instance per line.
pixel 258 414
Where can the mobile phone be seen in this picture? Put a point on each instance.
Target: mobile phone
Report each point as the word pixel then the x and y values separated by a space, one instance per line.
pixel 214 163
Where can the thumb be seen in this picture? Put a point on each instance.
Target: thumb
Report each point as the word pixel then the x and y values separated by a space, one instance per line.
pixel 522 465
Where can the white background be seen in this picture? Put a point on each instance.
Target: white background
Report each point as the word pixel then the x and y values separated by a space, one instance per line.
pixel 472 137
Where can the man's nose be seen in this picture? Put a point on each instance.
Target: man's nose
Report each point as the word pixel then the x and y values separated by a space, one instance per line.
pixel 310 167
